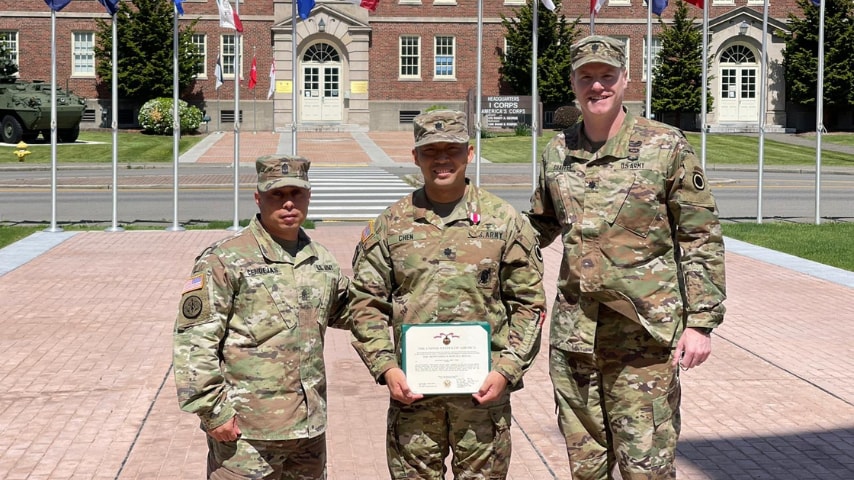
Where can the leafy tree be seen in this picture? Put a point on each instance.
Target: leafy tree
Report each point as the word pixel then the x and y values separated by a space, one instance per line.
pixel 800 57
pixel 145 33
pixel 554 37
pixel 678 77
pixel 7 66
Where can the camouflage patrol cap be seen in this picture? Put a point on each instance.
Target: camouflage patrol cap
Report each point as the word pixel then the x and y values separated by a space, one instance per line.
pixel 277 171
pixel 598 49
pixel 441 126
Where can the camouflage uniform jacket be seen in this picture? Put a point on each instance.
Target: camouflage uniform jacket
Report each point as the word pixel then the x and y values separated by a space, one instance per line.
pixel 482 263
pixel 640 232
pixel 249 335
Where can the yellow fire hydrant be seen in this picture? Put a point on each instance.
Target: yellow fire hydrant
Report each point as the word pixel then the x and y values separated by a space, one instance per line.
pixel 22 151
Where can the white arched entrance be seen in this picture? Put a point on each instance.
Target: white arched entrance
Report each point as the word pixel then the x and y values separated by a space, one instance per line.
pixel 320 87
pixel 738 99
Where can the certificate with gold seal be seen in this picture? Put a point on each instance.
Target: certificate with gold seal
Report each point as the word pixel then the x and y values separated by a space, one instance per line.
pixel 446 358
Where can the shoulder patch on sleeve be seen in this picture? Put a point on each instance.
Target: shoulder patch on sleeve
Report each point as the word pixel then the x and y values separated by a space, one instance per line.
pixel 196 282
pixel 368 231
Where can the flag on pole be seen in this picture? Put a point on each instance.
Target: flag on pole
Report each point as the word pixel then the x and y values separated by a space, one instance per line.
pixel 228 17
pixel 272 80
pixel 596 5
pixel 304 7
pixel 57 5
pixel 696 3
pixel 253 74
pixel 112 6
pixel 658 6
pixel 179 5
pixel 817 3
pixel 549 4
pixel 218 72
pixel 367 4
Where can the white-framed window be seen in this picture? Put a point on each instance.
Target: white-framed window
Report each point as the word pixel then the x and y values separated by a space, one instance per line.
pixel 656 47
pixel 445 58
pixel 620 3
pixel 445 2
pixel 9 39
pixel 410 56
pixel 83 54
pixel 727 2
pixel 228 50
pixel 757 2
pixel 200 41
pixel 625 41
pixel 514 3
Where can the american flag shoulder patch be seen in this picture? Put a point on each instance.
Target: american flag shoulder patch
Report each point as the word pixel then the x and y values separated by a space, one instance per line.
pixel 368 231
pixel 196 282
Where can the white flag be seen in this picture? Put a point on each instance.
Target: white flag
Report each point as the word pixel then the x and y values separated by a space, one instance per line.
pixel 218 72
pixel 227 17
pixel 549 4
pixel 272 80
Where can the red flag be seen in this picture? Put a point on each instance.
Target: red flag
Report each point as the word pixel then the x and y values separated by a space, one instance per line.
pixel 253 74
pixel 697 3
pixel 367 4
pixel 596 5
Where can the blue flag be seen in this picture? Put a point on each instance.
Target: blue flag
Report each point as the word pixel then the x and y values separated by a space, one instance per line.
pixel 179 6
pixel 817 3
pixel 658 6
pixel 304 7
pixel 112 6
pixel 57 5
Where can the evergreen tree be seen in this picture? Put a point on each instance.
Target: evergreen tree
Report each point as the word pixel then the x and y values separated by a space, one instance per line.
pixel 554 37
pixel 678 77
pixel 145 33
pixel 800 57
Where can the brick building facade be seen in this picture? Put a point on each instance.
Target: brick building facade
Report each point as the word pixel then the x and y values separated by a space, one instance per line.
pixel 374 70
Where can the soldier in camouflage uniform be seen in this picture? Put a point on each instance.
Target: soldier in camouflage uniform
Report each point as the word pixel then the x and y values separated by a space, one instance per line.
pixel 248 342
pixel 450 252
pixel 641 283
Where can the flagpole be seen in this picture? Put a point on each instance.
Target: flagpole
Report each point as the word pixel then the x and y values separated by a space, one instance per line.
pixel 53 227
pixel 762 108
pixel 114 124
pixel 479 92
pixel 535 44
pixel 593 15
pixel 237 70
pixel 176 123
pixel 705 84
pixel 293 77
pixel 819 112
pixel 648 54
pixel 254 94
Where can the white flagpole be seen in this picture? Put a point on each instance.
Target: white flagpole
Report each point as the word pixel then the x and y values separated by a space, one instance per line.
pixel 114 124
pixel 535 44
pixel 53 227
pixel 254 93
pixel 176 123
pixel 479 92
pixel 763 100
pixel 648 54
pixel 819 113
pixel 593 17
pixel 705 84
pixel 237 69
pixel 293 77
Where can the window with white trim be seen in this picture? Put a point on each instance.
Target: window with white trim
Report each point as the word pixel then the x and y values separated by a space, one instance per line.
pixel 228 50
pixel 444 59
pixel 656 48
pixel 9 39
pixel 200 41
pixel 410 57
pixel 83 54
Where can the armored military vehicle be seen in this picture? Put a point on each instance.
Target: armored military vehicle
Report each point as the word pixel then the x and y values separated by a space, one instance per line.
pixel 25 111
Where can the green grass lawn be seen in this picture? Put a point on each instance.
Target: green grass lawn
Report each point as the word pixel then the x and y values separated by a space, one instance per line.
pixel 134 147
pixel 828 243
pixel 720 149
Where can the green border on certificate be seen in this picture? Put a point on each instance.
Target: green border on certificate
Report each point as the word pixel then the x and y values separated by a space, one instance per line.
pixel 446 358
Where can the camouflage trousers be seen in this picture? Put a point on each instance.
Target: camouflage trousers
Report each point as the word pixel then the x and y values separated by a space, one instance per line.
pixel 301 459
pixel 420 436
pixel 620 405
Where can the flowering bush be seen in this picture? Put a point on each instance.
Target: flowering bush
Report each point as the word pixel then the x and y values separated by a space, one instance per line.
pixel 155 116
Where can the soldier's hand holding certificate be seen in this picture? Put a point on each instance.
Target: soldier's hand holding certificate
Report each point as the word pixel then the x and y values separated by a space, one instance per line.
pixel 446 358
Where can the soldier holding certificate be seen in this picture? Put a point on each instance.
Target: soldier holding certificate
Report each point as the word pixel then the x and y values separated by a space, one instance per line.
pixel 449 253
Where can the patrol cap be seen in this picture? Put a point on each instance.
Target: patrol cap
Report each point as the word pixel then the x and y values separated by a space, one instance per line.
pixel 277 171
pixel 441 126
pixel 598 49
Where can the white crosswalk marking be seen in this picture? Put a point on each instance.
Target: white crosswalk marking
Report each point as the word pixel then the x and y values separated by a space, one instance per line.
pixel 344 193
